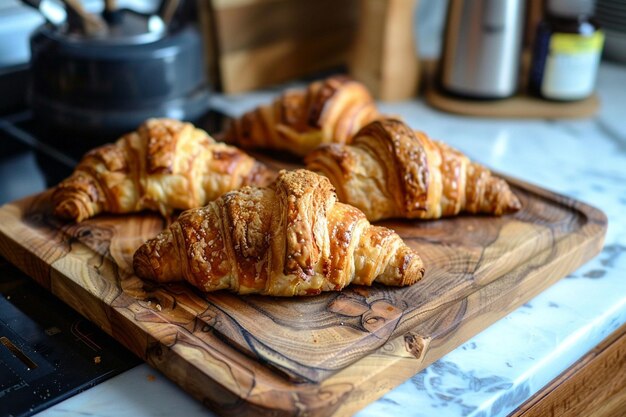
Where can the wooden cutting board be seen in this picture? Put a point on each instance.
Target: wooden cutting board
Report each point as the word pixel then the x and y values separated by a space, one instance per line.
pixel 330 354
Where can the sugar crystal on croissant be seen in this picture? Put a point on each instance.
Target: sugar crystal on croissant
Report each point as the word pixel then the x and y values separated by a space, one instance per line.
pixel 292 238
pixel 391 171
pixel 165 165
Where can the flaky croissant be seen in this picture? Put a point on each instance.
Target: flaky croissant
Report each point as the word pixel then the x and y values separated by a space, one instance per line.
pixel 291 238
pixel 164 165
pixel 391 171
pixel 331 110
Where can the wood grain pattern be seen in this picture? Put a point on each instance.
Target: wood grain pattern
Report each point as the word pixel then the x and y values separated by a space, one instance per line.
pixel 256 43
pixel 595 386
pixel 329 354
pixel 384 54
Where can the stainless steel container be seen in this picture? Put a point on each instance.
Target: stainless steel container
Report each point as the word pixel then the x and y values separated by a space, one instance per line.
pixel 482 49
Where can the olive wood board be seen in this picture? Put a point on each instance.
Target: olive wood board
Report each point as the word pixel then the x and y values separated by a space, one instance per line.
pixel 330 354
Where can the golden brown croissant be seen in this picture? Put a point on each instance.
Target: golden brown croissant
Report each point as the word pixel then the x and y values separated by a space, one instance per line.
pixel 291 238
pixel 331 110
pixel 164 165
pixel 392 171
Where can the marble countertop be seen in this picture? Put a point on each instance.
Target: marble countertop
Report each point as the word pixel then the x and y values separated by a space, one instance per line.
pixel 497 370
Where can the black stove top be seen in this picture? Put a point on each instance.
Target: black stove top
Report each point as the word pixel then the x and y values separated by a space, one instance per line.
pixel 48 352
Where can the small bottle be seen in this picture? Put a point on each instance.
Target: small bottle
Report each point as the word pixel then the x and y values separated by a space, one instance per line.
pixel 567 52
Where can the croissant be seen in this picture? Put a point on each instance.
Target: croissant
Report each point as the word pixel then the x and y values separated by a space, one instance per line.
pixel 331 110
pixel 292 238
pixel 391 171
pixel 164 165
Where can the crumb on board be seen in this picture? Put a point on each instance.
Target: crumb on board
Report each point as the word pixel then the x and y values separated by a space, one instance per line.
pixel 158 307
pixel 97 359
pixel 151 377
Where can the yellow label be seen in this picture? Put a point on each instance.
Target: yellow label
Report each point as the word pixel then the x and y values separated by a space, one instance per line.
pixel 572 43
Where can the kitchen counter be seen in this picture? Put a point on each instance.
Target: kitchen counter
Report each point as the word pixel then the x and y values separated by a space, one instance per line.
pixel 495 372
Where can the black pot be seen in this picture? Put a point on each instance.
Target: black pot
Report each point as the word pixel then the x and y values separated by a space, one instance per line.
pixel 109 85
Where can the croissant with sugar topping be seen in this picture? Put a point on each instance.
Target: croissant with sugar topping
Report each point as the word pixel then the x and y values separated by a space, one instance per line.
pixel 292 238
pixel 165 165
pixel 330 110
pixel 391 171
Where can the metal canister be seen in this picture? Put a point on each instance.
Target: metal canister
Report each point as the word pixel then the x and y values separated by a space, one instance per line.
pixel 482 49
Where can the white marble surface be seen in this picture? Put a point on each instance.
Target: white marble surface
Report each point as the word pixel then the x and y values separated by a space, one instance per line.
pixel 501 367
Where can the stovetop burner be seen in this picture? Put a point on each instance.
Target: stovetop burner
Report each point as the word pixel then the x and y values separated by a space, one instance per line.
pixel 48 352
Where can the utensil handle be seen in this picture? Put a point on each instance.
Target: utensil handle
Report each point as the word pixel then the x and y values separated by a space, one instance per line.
pixel 77 16
pixel 167 9
pixel 110 6
pixel 112 15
